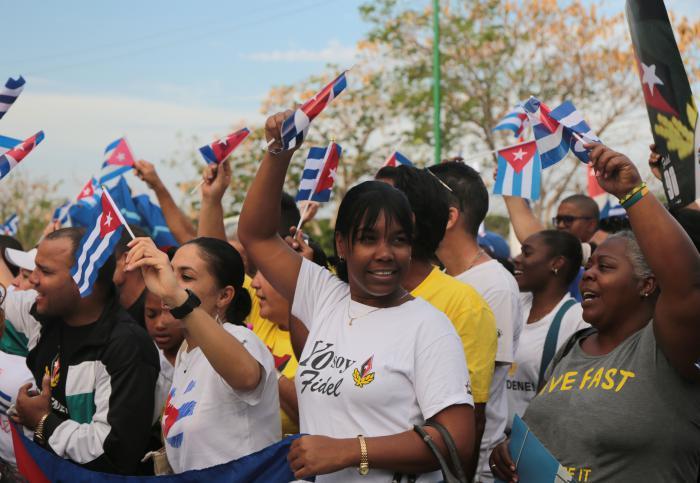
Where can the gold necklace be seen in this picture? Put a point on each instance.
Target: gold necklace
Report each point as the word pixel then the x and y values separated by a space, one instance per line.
pixel 352 318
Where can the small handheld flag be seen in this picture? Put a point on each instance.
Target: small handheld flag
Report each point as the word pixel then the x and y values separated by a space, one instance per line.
pixel 118 160
pixel 9 94
pixel 89 191
pixel 519 171
pixel 153 219
pixel 7 142
pixel 319 173
pixel 61 213
pixel 516 121
pixel 12 158
pixel 575 128
pixel 295 127
pixel 11 226
pixel 549 134
pixel 97 245
pixel 397 159
pixel 219 150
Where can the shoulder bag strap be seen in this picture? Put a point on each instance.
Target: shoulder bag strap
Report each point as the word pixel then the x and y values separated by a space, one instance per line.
pixel 451 448
pixel 550 342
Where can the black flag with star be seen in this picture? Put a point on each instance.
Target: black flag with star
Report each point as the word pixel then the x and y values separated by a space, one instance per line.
pixel 672 112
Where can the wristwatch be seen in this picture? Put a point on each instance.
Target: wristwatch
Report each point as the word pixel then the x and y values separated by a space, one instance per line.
pixel 188 306
pixel 364 460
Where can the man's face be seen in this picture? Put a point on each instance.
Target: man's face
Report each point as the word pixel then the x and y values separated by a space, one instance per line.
pixel 571 218
pixel 57 292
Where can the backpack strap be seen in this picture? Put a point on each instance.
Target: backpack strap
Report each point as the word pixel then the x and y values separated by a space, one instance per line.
pixel 550 342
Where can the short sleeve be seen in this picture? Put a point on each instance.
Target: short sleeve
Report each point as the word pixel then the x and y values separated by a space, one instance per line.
pixel 260 353
pixel 480 343
pixel 316 288
pixel 441 375
pixel 505 306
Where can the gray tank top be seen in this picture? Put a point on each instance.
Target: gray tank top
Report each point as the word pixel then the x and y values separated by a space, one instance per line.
pixel 625 416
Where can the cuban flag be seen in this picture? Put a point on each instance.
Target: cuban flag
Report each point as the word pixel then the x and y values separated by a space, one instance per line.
pixel 12 157
pixel 9 94
pixel 219 150
pixel 519 171
pixel 90 192
pixel 120 194
pixel 97 245
pixel 154 222
pixel 516 121
pixel 118 160
pixel 11 226
pixel 552 141
pixel 397 159
pixel 319 173
pixel 61 213
pixel 295 127
pixel 574 125
pixel 7 142
pixel 39 465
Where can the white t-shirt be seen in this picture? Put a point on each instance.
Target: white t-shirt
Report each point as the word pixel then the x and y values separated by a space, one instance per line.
pixel 500 290
pixel 163 384
pixel 521 384
pixel 206 422
pixel 13 375
pixel 392 368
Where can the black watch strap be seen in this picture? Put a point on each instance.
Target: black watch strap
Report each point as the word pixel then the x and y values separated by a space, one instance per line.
pixel 190 304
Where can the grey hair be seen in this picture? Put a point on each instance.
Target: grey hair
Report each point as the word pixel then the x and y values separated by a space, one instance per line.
pixel 634 253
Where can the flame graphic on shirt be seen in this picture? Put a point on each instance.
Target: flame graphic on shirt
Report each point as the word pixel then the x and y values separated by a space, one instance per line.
pixel 363 376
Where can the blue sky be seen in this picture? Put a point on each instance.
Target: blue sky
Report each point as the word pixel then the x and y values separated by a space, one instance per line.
pixel 98 70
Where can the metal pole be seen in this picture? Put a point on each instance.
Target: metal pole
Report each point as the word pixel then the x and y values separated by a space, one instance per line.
pixel 436 82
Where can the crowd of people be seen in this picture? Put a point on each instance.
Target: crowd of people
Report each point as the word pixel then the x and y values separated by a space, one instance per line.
pixel 405 353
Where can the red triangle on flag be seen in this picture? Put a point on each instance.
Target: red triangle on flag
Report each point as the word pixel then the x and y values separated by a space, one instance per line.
pixel 121 156
pixel 519 155
pixel 87 191
pixel 225 146
pixel 110 219
pixel 330 166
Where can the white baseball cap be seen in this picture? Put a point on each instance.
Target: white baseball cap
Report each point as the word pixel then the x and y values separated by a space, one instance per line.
pixel 21 259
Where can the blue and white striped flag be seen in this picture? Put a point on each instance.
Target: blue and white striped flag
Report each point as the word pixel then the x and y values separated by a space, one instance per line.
pixel 118 161
pixel 515 120
pixel 97 245
pixel 573 122
pixel 552 142
pixel 519 172
pixel 11 226
pixel 7 143
pixel 61 213
pixel 319 173
pixel 9 94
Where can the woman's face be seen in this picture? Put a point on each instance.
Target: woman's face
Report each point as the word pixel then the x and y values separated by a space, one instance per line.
pixel 165 330
pixel 377 260
pixel 533 266
pixel 273 306
pixel 192 272
pixel 22 281
pixel 609 286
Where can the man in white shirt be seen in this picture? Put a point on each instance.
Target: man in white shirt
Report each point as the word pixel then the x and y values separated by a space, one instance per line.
pixel 465 260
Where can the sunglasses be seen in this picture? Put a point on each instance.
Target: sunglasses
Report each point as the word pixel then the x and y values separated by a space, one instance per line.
pixel 568 220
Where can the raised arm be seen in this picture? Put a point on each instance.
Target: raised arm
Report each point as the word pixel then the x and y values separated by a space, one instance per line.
pixel 671 256
pixel 179 224
pixel 522 218
pixel 258 224
pixel 225 353
pixel 211 213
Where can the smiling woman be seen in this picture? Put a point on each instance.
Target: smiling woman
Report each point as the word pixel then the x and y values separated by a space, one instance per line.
pixel 355 376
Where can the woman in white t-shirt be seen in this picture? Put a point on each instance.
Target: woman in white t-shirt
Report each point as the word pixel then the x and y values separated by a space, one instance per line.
pixel 548 262
pixel 223 403
pixel 376 361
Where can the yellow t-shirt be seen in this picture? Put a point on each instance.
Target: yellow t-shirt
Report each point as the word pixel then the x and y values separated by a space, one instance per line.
pixel 473 320
pixel 278 341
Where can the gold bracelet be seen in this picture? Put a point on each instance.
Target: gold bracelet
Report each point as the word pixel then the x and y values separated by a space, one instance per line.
pixel 39 430
pixel 364 460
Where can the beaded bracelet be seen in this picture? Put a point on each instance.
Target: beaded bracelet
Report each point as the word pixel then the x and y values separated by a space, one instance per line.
pixel 633 196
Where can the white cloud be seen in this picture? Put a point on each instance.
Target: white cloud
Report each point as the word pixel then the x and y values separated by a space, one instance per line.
pixel 333 52
pixel 78 127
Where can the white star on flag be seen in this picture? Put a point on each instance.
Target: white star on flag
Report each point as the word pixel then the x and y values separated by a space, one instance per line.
pixel 332 173
pixel 223 142
pixel 649 77
pixel 120 157
pixel 86 191
pixel 519 154
pixel 108 220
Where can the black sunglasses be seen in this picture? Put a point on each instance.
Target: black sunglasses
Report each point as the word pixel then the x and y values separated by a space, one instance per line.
pixel 567 220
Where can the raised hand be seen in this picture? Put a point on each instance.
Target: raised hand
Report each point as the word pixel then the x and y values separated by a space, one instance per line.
pixel 296 240
pixel 655 161
pixel 216 179
pixel 273 129
pixel 147 173
pixel 615 173
pixel 156 269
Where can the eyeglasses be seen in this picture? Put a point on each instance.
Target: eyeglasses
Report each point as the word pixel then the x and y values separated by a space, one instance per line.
pixel 568 220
